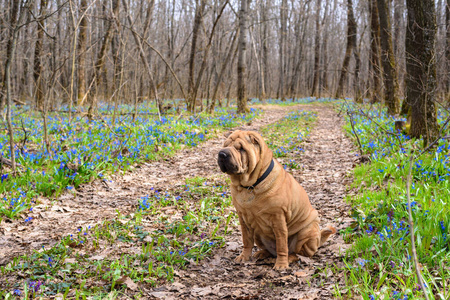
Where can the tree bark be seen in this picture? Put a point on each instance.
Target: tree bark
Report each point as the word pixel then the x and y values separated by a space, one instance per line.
pixel 283 35
pixel 421 69
pixel 222 72
pixel 242 59
pixel 144 59
pixel 37 66
pixel 205 55
pixel 265 50
pixel 99 65
pixel 15 20
pixel 351 37
pixel 315 87
pixel 447 49
pixel 375 62
pixel 388 60
pixel 323 86
pixel 82 38
pixel 199 8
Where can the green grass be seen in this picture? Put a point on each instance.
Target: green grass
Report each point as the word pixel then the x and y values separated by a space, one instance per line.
pixel 379 265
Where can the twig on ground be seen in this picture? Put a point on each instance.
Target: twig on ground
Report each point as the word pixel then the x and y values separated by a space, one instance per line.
pixel 350 115
pixel 411 227
pixel 25 138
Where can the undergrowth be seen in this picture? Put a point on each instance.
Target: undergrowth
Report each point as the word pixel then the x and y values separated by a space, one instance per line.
pixel 168 231
pixel 379 265
pixel 80 150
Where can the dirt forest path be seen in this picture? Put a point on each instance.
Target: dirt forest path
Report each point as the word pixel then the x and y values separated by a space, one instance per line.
pixel 98 201
pixel 327 159
pixel 326 162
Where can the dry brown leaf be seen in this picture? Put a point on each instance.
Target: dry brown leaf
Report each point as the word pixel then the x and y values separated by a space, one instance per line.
pixel 306 260
pixel 301 274
pixel 128 282
pixel 97 257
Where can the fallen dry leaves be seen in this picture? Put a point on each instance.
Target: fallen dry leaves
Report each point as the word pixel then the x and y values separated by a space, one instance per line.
pixel 327 159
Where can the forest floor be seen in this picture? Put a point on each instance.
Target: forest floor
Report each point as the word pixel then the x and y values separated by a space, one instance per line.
pixel 329 156
pixel 325 165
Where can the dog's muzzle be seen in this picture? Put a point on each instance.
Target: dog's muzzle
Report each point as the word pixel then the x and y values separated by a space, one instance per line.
pixel 225 161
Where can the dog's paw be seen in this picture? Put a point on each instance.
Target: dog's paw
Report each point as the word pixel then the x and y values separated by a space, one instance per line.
pixel 279 266
pixel 242 258
pixel 262 254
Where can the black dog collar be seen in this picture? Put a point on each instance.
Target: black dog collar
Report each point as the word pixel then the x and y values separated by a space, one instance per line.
pixel 264 176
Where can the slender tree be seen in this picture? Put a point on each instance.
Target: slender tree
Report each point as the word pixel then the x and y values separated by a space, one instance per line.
pixel 265 39
pixel 143 58
pixel 315 87
pixel 283 35
pixel 421 68
pixel 82 43
pixel 447 49
pixel 375 62
pixel 99 65
pixel 388 60
pixel 351 42
pixel 38 67
pixel 17 13
pixel 199 8
pixel 231 50
pixel 242 58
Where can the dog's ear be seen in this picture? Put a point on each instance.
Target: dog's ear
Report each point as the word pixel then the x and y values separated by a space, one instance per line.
pixel 255 138
pixel 227 134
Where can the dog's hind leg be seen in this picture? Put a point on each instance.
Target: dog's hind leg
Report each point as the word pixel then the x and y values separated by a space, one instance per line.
pixel 308 240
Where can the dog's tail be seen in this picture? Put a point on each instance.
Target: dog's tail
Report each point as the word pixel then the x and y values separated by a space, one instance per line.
pixel 325 234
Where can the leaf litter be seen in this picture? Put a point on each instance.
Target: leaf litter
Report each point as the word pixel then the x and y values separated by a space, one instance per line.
pixel 326 162
pixel 328 158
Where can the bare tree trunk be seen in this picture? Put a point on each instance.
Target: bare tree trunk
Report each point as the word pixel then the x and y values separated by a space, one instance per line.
pixel 82 53
pixel 375 62
pixel 447 50
pixel 323 76
pixel 283 34
pixel 222 72
pixel 421 69
pixel 37 68
pixel 260 71
pixel 199 8
pixel 205 55
pixel 356 82
pixel 315 87
pixel 242 61
pixel 16 18
pixel 265 50
pixel 388 60
pixel 143 58
pixel 99 65
pixel 351 36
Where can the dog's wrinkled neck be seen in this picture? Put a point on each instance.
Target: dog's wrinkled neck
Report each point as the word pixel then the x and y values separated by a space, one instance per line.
pixel 263 176
pixel 248 180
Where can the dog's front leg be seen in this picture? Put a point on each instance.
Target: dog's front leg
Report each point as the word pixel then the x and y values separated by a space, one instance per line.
pixel 281 235
pixel 247 239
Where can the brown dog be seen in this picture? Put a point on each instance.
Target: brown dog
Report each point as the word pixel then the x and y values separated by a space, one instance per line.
pixel 273 209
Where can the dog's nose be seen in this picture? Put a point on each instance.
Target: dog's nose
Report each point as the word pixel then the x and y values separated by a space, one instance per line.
pixel 223 154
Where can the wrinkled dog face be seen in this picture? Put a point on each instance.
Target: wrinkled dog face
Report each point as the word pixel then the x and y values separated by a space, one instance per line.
pixel 241 153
